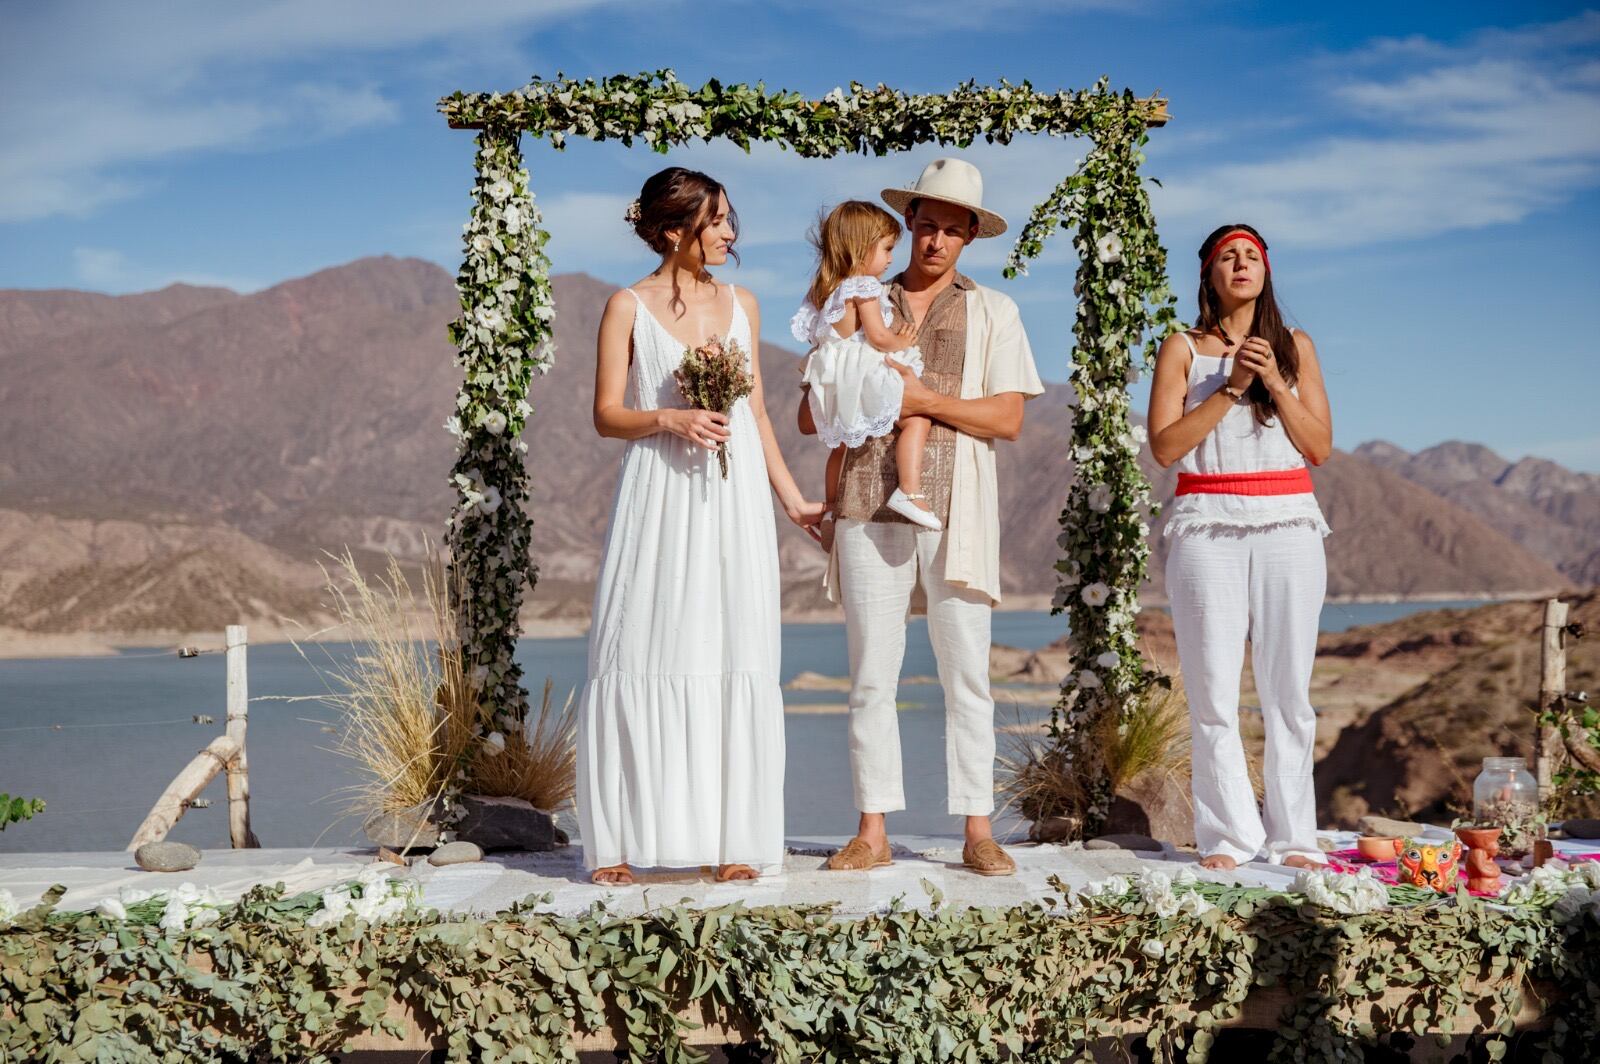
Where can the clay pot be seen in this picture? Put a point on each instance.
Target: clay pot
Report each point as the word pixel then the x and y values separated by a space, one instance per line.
pixel 1480 839
pixel 1378 847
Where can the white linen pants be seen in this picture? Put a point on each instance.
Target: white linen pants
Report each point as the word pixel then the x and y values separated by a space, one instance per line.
pixel 879 566
pixel 1266 585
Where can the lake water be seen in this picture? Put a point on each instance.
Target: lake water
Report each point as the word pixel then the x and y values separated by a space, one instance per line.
pixel 100 738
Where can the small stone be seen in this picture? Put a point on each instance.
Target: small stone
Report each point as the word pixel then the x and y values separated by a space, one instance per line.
pixel 166 856
pixel 455 853
pixel 1582 829
pixel 1143 843
pixel 1383 827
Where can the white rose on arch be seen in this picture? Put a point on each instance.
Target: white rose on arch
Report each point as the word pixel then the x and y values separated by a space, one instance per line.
pixel 1108 248
pixel 1088 679
pixel 493 422
pixel 1096 594
pixel 1108 660
pixel 1100 498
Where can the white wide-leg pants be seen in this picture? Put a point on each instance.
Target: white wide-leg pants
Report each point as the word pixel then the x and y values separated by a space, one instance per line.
pixel 1266 585
pixel 879 565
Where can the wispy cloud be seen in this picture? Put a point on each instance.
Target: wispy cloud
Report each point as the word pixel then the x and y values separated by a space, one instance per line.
pixel 92 93
pixel 110 270
pixel 1479 133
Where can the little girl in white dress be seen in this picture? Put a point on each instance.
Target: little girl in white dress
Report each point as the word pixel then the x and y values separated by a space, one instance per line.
pixel 847 322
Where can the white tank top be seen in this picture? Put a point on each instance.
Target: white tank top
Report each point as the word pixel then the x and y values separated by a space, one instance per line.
pixel 1238 444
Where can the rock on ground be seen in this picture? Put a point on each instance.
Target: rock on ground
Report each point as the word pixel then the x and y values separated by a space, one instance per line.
pixel 166 857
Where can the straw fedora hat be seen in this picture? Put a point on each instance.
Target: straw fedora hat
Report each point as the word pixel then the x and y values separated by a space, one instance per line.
pixel 949 181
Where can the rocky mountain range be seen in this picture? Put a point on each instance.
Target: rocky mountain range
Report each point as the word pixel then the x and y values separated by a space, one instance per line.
pixel 175 460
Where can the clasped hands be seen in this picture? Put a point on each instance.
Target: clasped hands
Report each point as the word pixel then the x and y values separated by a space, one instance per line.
pixel 1255 360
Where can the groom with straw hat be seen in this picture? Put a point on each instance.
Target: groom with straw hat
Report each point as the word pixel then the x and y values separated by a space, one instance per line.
pixel 978 372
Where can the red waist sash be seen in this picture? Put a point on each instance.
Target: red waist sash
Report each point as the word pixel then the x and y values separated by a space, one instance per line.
pixel 1271 482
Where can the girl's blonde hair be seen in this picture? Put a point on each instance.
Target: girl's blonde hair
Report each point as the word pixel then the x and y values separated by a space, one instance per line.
pixel 844 241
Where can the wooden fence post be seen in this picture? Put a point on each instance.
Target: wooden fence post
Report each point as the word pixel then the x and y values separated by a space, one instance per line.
pixel 238 643
pixel 1552 689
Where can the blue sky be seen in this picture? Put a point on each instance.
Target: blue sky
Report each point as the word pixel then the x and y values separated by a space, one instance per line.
pixel 1428 175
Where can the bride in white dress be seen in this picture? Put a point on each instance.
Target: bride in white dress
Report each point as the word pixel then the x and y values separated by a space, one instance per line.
pixel 680 728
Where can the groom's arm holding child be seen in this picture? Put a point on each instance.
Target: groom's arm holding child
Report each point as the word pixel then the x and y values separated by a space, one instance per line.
pixel 1009 382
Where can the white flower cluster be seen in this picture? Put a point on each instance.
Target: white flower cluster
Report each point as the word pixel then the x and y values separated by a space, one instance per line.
pixel 8 908
pixel 1362 892
pixel 476 496
pixel 373 896
pixel 1165 895
pixel 186 906
pixel 1569 890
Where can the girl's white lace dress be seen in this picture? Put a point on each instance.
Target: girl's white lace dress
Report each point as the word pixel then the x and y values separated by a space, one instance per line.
pixel 854 396
pixel 680 727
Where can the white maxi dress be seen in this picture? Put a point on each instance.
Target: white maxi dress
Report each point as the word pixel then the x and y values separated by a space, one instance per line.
pixel 680 727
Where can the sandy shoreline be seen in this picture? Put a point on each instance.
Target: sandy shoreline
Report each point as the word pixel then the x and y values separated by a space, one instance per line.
pixel 17 644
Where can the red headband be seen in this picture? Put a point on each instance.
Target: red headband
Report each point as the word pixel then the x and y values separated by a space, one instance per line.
pixel 1237 234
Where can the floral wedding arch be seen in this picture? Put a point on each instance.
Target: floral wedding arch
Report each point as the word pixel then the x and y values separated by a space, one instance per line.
pixel 504 335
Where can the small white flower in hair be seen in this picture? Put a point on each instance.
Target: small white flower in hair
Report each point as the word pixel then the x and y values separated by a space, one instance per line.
pixel 633 213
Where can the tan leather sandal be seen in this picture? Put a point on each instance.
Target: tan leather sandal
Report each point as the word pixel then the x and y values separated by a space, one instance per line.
pixel 857 856
pixel 986 858
pixel 612 876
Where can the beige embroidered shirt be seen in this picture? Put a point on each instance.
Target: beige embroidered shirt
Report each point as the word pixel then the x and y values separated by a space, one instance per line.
pixel 870 471
pixel 998 359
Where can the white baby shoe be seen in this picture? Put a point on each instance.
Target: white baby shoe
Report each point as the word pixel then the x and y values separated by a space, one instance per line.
pixel 906 507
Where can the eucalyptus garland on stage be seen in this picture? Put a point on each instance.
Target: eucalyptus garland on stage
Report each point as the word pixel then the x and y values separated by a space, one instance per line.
pixel 506 324
pixel 1336 966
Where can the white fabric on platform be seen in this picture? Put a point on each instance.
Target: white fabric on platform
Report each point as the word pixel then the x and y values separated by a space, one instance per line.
pixel 854 396
pixel 1238 444
pixel 680 728
pixel 1266 585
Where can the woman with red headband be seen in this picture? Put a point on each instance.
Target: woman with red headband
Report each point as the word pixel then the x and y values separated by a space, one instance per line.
pixel 1238 403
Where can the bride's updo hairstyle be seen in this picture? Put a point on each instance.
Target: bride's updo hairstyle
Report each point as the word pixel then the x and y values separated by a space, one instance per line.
pixel 676 198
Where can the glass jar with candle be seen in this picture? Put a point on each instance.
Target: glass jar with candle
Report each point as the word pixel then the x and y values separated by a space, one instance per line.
pixel 1505 795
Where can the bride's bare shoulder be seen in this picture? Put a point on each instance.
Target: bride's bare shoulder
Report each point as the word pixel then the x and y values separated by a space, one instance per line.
pixel 747 298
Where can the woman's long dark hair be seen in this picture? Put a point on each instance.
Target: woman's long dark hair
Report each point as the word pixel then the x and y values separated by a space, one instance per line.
pixel 1267 324
pixel 678 198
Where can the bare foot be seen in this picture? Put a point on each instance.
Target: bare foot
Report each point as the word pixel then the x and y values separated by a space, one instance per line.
pixel 1297 861
pixel 729 872
pixel 619 875
pixel 1219 862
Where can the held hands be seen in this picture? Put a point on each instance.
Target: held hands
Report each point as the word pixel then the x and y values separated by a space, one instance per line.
pixel 1256 360
pixel 707 428
pixel 808 515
